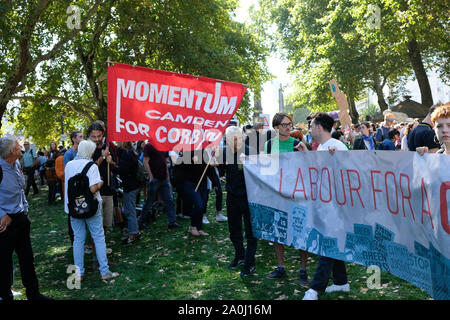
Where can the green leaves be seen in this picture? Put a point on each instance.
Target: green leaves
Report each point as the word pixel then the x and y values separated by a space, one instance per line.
pixel 361 43
pixel 194 37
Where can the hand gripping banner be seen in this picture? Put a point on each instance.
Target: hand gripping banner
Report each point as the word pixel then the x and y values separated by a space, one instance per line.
pixel 383 208
pixel 173 111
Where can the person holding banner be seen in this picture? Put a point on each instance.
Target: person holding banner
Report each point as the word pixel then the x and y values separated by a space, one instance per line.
pixel 283 142
pixel 96 133
pixel 321 132
pixel 156 167
pixel 441 120
pixel 195 188
pixel 423 135
pixel 237 202
pixel 127 168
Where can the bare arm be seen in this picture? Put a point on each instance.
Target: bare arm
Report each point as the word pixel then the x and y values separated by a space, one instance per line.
pixel 147 168
pixel 96 187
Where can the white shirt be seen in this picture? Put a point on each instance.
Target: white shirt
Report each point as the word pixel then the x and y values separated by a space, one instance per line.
pixel 332 143
pixel 74 167
pixel 405 143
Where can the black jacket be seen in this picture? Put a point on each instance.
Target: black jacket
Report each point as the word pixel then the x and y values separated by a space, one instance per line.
pixel 128 165
pixel 359 144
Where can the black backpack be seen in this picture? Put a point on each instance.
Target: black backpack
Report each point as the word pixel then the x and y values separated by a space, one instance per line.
pixel 82 203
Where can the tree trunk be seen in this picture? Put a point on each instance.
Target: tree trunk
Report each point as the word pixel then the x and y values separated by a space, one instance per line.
pixel 352 107
pixel 5 96
pixel 419 70
pixel 379 91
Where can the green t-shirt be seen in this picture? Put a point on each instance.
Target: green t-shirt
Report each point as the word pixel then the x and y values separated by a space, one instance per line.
pixel 280 146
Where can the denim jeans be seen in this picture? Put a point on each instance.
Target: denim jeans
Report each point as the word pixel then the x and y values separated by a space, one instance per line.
pixel 51 192
pixel 95 225
pixel 237 211
pixel 129 210
pixel 30 181
pixel 196 201
pixel 164 187
pixel 322 275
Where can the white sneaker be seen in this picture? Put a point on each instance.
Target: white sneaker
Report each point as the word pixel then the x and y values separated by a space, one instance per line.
pixel 205 220
pixel 311 294
pixel 336 288
pixel 16 294
pixel 221 218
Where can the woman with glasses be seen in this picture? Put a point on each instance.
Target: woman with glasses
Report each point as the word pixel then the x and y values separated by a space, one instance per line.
pixel 441 121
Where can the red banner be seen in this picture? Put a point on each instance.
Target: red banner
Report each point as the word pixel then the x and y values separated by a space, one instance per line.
pixel 173 111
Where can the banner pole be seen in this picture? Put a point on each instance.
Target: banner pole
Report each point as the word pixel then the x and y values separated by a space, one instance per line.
pixel 204 171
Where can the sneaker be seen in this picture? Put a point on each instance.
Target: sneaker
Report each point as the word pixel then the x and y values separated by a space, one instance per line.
pixel 277 273
pixel 87 251
pixel 129 241
pixel 221 218
pixel 311 294
pixel 304 278
pixel 174 225
pixel 248 270
pixel 16 294
pixel 236 263
pixel 182 216
pixel 205 220
pixel 337 288
pixel 110 275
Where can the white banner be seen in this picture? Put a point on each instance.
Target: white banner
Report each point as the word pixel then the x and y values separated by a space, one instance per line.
pixel 382 208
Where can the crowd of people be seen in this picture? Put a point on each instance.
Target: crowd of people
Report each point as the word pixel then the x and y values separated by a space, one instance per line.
pixel 124 171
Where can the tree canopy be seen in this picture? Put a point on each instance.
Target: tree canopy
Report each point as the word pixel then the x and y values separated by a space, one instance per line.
pixel 193 37
pixel 361 43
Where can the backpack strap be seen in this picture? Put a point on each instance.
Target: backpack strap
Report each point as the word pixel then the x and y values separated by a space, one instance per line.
pixel 269 146
pixel 87 167
pixel 1 174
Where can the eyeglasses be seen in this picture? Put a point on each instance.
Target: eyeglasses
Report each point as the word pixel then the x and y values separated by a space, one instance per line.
pixel 391 119
pixel 286 125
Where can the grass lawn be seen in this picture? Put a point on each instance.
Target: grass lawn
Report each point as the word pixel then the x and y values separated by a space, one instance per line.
pixel 175 265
